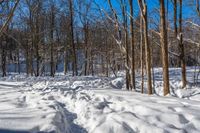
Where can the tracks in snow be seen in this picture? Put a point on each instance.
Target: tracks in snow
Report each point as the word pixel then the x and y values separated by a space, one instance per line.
pixel 88 106
pixel 101 110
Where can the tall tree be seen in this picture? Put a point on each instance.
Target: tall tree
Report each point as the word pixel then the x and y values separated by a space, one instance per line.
pixel 143 9
pixel 127 62
pixel 118 39
pixel 37 36
pixel 164 47
pixel 179 36
pixel 84 12
pixel 52 23
pixel 141 53
pixel 132 45
pixel 75 71
pixel 181 47
pixel 4 29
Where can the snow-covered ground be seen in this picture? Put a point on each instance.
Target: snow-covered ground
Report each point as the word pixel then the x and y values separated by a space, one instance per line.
pixel 96 105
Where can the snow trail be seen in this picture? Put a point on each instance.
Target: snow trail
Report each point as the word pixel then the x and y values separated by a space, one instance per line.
pixel 116 111
pixel 26 111
pixel 95 105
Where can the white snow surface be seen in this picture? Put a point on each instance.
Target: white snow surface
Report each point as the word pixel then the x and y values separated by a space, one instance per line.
pixel 96 105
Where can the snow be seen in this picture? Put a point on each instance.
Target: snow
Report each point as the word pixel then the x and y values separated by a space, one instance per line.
pixel 118 83
pixel 96 105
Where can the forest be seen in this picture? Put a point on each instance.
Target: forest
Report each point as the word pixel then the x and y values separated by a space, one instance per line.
pixel 84 59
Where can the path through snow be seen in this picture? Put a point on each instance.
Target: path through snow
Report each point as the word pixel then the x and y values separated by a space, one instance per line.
pixel 91 104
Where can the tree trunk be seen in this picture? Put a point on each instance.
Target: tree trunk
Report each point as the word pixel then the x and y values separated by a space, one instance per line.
pixel 86 50
pixel 143 8
pixel 141 47
pixel 181 48
pixel 75 72
pixel 126 45
pixel 3 62
pixel 175 17
pixel 132 46
pixel 18 60
pixel 65 60
pixel 31 59
pixel 37 60
pixel 147 52
pixel 36 41
pixel 51 42
pixel 164 47
pixel 27 61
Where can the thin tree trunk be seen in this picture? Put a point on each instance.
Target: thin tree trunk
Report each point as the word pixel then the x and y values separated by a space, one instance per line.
pixel 27 61
pixel 18 60
pixel 181 47
pixel 86 49
pixel 65 60
pixel 126 45
pixel 175 18
pixel 132 46
pixel 141 46
pixel 31 57
pixel 152 66
pixel 37 60
pixel 143 8
pixel 3 61
pixel 51 43
pixel 75 72
pixel 36 41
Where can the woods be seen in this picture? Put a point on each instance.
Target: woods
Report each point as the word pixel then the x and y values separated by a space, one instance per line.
pixel 99 66
pixel 46 37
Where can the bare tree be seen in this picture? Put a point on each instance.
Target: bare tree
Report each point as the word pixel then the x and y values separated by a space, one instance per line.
pixel 164 47
pixel 127 62
pixel 52 23
pixel 132 45
pixel 143 9
pixel 75 71
pixel 142 54
pixel 9 17
pixel 181 47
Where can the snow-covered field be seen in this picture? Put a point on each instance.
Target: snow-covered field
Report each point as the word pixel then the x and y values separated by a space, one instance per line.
pixel 96 105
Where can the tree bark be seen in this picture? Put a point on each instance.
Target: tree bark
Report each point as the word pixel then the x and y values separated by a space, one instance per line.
pixel 86 50
pixel 65 60
pixel 143 8
pixel 164 47
pixel 75 71
pixel 51 42
pixel 175 17
pixel 3 61
pixel 127 63
pixel 132 46
pixel 141 47
pixel 181 47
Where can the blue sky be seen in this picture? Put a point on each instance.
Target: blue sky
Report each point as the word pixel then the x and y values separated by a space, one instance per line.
pixel 189 11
